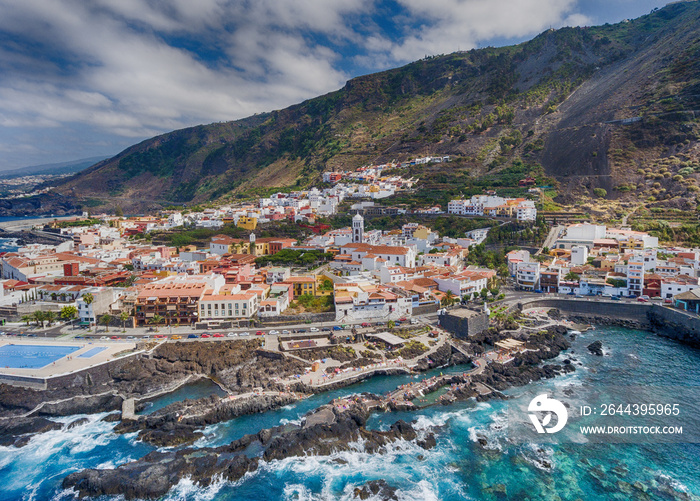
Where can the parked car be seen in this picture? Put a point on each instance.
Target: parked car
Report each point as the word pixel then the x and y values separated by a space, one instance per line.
pixel 114 337
pixel 232 334
pixel 668 300
pixel 130 337
pixel 301 331
pixel 538 291
pixel 337 328
pixel 616 298
pixel 274 332
pixel 607 295
pixel 572 293
pixel 244 334
pixel 366 324
pixel 206 336
pixel 104 337
pixel 176 337
pixel 285 331
pixel 218 334
pixel 159 336
pixel 402 319
pixel 314 329
pixel 326 329
pixel 192 336
pixel 643 299
pixel 414 321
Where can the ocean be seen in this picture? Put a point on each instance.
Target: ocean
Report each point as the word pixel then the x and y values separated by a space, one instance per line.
pixel 458 468
pixel 10 244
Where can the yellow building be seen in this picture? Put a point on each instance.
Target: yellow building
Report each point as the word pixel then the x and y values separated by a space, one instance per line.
pixel 248 223
pixel 422 232
pixel 302 285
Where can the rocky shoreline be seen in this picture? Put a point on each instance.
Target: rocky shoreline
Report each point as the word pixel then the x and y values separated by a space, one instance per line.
pixel 329 428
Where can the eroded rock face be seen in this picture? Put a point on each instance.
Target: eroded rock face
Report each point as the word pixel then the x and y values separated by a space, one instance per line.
pixel 375 489
pixel 178 423
pixel 153 475
pixel 18 431
pixel 596 347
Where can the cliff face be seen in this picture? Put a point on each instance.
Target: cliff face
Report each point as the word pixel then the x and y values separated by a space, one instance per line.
pixel 557 100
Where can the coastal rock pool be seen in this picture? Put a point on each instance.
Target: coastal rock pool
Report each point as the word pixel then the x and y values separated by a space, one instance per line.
pixel 21 356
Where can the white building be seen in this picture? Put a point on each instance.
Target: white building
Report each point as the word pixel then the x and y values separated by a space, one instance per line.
pixel 527 275
pixel 671 287
pixel 579 255
pixel 635 277
pixel 358 229
pixel 526 211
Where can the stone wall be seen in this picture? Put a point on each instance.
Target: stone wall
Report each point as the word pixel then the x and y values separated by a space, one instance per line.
pixel 463 323
pixel 425 310
pixel 298 319
pixel 663 320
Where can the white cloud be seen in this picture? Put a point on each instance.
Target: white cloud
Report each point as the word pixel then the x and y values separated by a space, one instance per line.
pixel 134 68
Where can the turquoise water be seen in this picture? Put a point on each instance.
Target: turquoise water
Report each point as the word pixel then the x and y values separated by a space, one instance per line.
pixel 458 468
pixel 8 244
pixel 18 356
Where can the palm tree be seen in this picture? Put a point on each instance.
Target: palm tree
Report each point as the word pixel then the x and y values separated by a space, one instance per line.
pixel 27 318
pixel 124 316
pixel 39 318
pixel 50 316
pixel 156 320
pixel 105 320
pixel 449 299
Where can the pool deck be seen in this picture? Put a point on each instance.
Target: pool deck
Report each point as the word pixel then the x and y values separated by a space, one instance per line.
pixel 67 364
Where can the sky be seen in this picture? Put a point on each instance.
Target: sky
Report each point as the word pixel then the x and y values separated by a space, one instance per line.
pixel 81 79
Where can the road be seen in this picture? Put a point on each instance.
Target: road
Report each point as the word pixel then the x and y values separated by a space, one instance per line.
pixel 552 237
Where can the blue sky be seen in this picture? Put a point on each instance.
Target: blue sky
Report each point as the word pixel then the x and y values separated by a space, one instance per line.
pixel 88 78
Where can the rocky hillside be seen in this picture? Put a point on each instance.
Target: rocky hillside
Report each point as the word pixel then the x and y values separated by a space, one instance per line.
pixel 560 101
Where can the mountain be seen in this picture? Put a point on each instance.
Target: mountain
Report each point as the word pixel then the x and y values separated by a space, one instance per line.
pixel 607 111
pixel 70 167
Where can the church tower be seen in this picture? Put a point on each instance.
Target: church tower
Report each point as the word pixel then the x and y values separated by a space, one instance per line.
pixel 358 229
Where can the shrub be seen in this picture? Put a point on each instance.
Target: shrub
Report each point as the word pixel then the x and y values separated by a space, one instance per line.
pixel 600 192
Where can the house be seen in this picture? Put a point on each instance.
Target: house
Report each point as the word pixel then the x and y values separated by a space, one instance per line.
pixel 527 275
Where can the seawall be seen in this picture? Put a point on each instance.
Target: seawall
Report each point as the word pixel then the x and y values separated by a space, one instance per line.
pixel 662 320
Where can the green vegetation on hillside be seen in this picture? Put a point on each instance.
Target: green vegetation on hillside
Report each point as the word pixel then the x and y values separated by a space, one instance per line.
pixel 500 112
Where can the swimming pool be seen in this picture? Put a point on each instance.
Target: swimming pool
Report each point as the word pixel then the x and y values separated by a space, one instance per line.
pixel 92 352
pixel 24 356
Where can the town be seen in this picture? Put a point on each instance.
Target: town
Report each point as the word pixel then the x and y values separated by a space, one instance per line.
pixel 106 272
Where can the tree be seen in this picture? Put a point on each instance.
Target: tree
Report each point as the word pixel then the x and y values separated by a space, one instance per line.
pixel 27 318
pixel 494 291
pixel 448 299
pixel 105 320
pixel 50 316
pixel 39 318
pixel 391 324
pixel 571 276
pixel 156 320
pixel 68 312
pixel 118 211
pixel 124 316
pixel 484 293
